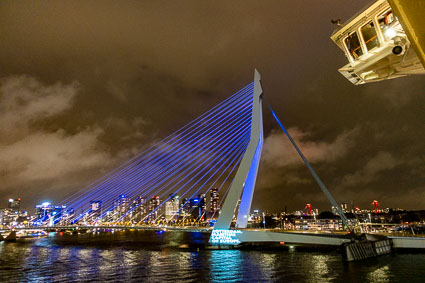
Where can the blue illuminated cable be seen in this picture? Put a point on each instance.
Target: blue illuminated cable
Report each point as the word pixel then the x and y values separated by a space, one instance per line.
pixel 191 124
pixel 155 179
pixel 312 171
pixel 111 201
pixel 90 196
pixel 225 158
pixel 238 158
pixel 238 155
pixel 237 95
pixel 169 156
pixel 243 148
pixel 187 175
pixel 241 151
pixel 199 172
pixel 227 177
pixel 201 164
pixel 77 208
pixel 236 145
pixel 172 157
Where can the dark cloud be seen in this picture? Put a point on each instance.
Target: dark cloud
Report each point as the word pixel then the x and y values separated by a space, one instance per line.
pixel 33 159
pixel 383 161
pixel 279 152
pixel 85 85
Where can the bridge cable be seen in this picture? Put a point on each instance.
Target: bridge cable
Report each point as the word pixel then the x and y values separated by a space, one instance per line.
pixel 312 171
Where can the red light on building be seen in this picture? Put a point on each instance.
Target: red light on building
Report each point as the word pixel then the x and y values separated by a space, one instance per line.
pixel 376 205
pixel 308 209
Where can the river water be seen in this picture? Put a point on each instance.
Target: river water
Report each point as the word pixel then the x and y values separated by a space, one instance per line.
pixel 160 257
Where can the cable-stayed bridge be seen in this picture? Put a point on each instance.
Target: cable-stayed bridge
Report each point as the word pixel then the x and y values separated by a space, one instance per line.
pixel 167 185
pixel 215 155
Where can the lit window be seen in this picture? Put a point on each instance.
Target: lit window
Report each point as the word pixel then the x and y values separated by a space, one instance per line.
pixel 386 21
pixel 369 36
pixel 353 45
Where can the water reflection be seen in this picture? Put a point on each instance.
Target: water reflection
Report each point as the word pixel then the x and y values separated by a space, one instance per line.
pixel 225 265
pixel 47 260
pixel 380 275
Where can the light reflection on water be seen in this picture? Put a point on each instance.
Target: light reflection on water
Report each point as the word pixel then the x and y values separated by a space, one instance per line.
pixel 46 260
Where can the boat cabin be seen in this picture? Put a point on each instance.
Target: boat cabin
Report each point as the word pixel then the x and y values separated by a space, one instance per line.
pixel 376 46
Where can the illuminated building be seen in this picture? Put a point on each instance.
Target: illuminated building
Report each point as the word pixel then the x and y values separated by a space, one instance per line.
pixel 138 209
pixel 256 215
pixel 9 217
pixel 14 203
pixel 95 209
pixel 154 208
pixel 202 205
pixel 66 217
pixel 120 208
pixel 185 208
pixel 47 213
pixel 214 199
pixel 196 207
pixel 172 207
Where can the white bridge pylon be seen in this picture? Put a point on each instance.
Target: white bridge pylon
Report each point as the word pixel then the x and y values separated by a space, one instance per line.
pixel 243 184
pixel 242 188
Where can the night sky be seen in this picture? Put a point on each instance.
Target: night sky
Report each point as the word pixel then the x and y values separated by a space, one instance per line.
pixel 84 85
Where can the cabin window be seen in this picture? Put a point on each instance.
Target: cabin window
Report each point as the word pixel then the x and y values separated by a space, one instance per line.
pixel 353 45
pixel 386 21
pixel 369 36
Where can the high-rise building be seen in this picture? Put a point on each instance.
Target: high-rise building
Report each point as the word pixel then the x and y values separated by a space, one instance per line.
pixel 48 213
pixel 197 207
pixel 42 210
pixel 194 208
pixel 9 216
pixel 67 217
pixel 154 208
pixel 14 203
pixel 120 208
pixel 214 200
pixel 138 209
pixel 95 209
pixel 185 208
pixel 172 207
